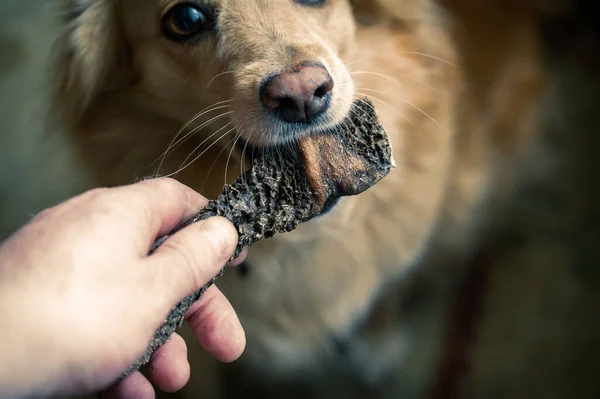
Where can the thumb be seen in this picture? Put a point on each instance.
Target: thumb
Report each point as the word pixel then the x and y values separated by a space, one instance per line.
pixel 192 257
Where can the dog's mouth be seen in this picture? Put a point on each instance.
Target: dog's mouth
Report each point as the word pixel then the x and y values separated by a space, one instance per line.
pixel 250 151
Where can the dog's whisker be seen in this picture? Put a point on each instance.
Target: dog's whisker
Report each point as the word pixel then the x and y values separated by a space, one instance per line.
pixel 242 157
pixel 252 130
pixel 358 92
pixel 398 56
pixel 280 155
pixel 377 99
pixel 216 76
pixel 205 140
pixel 373 98
pixel 431 118
pixel 198 128
pixel 226 188
pixel 205 110
pixel 202 153
pixel 396 81
pixel 236 139
pixel 207 175
pixel 433 57
pixel 210 170
pixel 382 101
pixel 181 141
pixel 211 108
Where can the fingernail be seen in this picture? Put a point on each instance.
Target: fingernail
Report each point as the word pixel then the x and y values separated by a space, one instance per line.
pixel 221 230
pixel 217 224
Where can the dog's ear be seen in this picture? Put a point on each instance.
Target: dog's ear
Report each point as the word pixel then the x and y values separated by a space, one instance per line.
pixel 91 51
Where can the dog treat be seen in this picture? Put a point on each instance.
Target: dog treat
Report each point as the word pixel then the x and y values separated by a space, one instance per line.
pixel 287 187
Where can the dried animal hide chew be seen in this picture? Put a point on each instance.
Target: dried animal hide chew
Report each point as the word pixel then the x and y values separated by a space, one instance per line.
pixel 280 192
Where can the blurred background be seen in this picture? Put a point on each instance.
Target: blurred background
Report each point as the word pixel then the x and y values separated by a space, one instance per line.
pixel 33 155
pixel 538 320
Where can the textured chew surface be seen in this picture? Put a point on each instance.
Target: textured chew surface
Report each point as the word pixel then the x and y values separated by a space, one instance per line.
pixel 280 192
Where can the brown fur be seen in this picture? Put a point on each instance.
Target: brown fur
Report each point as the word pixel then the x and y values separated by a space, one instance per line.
pixel 125 91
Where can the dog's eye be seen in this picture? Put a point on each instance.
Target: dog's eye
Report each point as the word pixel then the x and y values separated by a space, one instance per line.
pixel 311 3
pixel 185 20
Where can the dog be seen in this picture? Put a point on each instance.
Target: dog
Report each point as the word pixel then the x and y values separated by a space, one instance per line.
pixel 192 89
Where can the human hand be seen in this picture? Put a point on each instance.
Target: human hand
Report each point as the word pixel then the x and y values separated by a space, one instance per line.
pixel 80 298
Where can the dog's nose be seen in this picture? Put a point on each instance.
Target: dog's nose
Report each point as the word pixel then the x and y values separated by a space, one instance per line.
pixel 298 94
